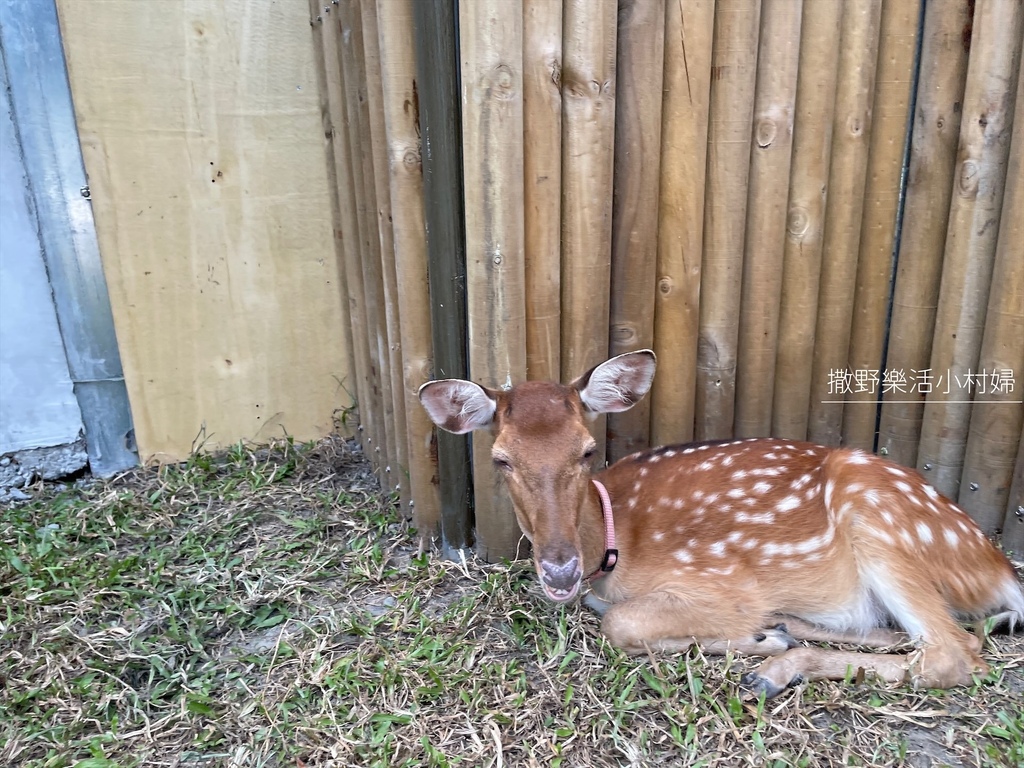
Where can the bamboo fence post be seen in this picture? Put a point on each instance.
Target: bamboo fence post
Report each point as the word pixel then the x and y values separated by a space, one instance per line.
pixel 778 57
pixel 354 69
pixel 434 24
pixel 971 238
pixel 491 52
pixel 327 27
pixel 689 30
pixel 805 220
pixel 1013 526
pixel 327 116
pixel 998 415
pixel 733 80
pixel 935 131
pixel 401 119
pixel 843 212
pixel 889 141
pixel 542 184
pixel 399 456
pixel 640 65
pixel 588 135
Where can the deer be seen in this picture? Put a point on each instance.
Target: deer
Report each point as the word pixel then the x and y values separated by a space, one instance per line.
pixel 751 546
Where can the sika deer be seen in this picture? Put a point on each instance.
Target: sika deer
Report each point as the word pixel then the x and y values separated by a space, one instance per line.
pixel 717 543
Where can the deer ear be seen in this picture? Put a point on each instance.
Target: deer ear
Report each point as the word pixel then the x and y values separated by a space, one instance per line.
pixel 617 384
pixel 458 406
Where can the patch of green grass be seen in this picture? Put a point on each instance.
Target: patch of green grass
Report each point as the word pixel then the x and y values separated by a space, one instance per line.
pixel 269 608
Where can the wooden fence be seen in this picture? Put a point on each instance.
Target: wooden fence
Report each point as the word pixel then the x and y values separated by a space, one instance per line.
pixel 812 211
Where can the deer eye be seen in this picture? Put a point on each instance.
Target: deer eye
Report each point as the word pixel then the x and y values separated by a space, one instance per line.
pixel 589 454
pixel 502 464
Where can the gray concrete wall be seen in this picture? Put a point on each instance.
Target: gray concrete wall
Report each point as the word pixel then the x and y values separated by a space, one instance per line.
pixel 38 407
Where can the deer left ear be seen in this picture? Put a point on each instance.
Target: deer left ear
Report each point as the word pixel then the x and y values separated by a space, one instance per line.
pixel 616 385
pixel 457 405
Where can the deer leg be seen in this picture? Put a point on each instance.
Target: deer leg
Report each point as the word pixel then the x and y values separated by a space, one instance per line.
pixel 666 621
pixel 800 664
pixel 875 638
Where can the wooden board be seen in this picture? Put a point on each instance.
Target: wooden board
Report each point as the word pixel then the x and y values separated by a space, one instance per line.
pixel 198 125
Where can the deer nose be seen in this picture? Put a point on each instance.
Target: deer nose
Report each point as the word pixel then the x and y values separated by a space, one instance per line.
pixel 561 577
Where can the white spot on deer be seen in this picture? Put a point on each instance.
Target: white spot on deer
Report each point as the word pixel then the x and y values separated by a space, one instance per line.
pixel 854 488
pixel 932 493
pixel 670 454
pixel 717 549
pixel 887 516
pixel 658 535
pixel 924 533
pixel 654 458
pixel 804 480
pixel 895 471
pixel 872 497
pixel 750 543
pixel 721 571
pixel 637 487
pixel 787 504
pixel 683 556
pixel 698 495
pixel 762 487
pixel 933 509
pixel 750 501
pixel 688 450
pixel 678 504
pixel 643 471
pixel 767 472
pixel 735 536
pixel 813 557
pixel 963 527
pixel 705 465
pixel 830 487
pixel 951 538
pixel 739 474
pixel 712 498
pixel 772 548
pixel 771 456
pixel 760 517
pixel 631 502
pixel 817 542
pixel 812 492
pixel 908 539
pixel 727 461
pixel 904 486
pixel 880 534
pixel 737 493
pixel 699 512
pixel 858 457
pixel 791 563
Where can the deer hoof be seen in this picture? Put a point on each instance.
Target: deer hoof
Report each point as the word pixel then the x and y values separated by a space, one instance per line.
pixel 772 642
pixel 756 685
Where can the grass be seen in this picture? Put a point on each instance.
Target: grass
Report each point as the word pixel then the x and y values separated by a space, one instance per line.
pixel 268 608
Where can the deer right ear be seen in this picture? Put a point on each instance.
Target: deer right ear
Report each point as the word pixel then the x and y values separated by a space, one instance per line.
pixel 617 384
pixel 458 406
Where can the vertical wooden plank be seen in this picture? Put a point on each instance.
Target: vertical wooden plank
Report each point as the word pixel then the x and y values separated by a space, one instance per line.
pixel 542 184
pixel 843 213
pixel 353 68
pixel 689 30
pixel 733 80
pixel 936 128
pixel 889 138
pixel 327 26
pixel 328 115
pixel 1013 526
pixel 397 470
pixel 998 415
pixel 491 52
pixel 440 126
pixel 765 240
pixel 805 222
pixel 971 238
pixel 401 120
pixel 639 72
pixel 588 137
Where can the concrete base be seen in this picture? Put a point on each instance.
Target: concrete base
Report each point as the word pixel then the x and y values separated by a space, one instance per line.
pixel 22 468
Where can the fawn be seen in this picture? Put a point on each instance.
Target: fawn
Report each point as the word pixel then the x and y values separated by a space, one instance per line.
pixel 743 545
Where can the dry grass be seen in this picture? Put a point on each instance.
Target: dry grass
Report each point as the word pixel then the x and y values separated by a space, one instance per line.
pixel 267 608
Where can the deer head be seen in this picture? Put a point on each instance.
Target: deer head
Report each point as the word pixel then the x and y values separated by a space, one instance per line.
pixel 544 451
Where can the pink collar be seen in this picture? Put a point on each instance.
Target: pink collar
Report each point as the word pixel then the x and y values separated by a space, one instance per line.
pixel 611 554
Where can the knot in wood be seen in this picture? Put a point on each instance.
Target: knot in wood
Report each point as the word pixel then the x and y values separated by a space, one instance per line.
pixel 798 221
pixel 623 334
pixel 968 179
pixel 855 125
pixel 411 159
pixel 764 132
pixel 666 285
pixel 501 81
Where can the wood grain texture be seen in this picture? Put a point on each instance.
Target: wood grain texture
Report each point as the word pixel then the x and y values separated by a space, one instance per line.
pixel 491 52
pixel 733 81
pixel 542 185
pixel 936 130
pixel 1013 528
pixel 805 221
pixel 971 238
pixel 405 166
pixel 998 415
pixel 588 139
pixel 689 31
pixel 890 113
pixel 765 239
pixel 851 136
pixel 212 212
pixel 639 71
